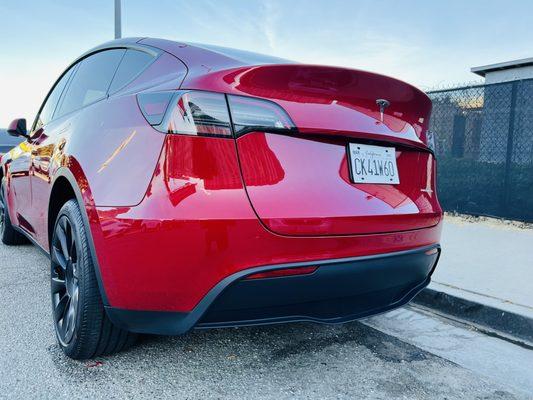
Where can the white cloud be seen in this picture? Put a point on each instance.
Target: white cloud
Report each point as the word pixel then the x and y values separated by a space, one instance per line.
pixel 269 25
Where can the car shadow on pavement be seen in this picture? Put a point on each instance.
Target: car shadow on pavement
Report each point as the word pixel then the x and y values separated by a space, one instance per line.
pixel 280 361
pixel 280 342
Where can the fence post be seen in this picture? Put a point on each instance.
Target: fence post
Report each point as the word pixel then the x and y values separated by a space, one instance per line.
pixel 509 153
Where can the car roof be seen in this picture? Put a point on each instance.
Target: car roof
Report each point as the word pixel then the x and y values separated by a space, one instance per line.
pixel 183 50
pixel 196 54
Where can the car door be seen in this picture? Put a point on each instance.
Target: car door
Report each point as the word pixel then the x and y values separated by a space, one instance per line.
pixel 89 83
pixel 21 168
pixel 19 184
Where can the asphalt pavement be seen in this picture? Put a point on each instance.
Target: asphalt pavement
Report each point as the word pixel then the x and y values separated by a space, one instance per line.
pixel 405 354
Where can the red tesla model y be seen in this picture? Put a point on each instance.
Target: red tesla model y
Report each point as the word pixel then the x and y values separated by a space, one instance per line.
pixel 178 186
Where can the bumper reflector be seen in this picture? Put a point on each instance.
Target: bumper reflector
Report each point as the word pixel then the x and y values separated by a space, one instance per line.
pixel 283 272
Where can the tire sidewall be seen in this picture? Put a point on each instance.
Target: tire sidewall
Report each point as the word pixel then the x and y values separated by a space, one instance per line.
pixel 6 220
pixel 71 211
pixel 5 215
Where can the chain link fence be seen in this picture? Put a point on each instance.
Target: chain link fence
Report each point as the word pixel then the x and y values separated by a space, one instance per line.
pixel 484 146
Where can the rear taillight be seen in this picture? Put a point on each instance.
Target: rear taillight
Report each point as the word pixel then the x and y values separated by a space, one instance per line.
pixel 250 114
pixel 208 114
pixel 196 113
pixel 154 105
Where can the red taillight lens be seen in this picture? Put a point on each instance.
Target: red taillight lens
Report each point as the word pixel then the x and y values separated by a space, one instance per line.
pixel 251 114
pixel 283 272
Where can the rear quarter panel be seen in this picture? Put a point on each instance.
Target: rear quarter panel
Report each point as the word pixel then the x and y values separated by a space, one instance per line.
pixel 113 147
pixel 114 150
pixel 117 150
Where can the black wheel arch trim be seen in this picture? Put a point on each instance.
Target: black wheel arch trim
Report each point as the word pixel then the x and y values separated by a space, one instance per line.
pixel 69 176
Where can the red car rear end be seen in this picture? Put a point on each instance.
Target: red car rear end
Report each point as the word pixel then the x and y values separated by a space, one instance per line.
pixel 265 166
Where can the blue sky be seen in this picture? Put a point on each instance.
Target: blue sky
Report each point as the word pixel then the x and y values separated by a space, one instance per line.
pixel 428 43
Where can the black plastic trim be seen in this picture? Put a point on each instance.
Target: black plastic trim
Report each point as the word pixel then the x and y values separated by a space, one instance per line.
pixel 65 173
pixel 28 236
pixel 329 321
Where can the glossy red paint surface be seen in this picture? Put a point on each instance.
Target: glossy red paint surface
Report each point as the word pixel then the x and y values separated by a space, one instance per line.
pixel 329 100
pixel 300 186
pixel 110 141
pixel 196 225
pixel 172 215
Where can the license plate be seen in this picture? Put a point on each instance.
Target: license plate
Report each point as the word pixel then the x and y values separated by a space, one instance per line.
pixel 373 164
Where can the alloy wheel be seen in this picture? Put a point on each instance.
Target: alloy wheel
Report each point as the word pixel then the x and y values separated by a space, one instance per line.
pixel 64 279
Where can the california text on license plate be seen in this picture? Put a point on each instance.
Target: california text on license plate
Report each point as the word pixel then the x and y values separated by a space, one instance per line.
pixel 373 164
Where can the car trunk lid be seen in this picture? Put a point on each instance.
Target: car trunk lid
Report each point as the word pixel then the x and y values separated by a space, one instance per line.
pixel 302 184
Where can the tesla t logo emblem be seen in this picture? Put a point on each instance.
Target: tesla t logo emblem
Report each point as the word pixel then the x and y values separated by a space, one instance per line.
pixel 383 104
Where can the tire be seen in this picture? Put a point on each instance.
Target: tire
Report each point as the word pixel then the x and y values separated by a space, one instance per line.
pixel 8 234
pixel 82 327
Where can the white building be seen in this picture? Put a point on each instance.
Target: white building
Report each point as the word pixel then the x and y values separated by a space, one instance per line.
pixel 506 71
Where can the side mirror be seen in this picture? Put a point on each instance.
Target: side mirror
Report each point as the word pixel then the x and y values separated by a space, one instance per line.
pixel 18 128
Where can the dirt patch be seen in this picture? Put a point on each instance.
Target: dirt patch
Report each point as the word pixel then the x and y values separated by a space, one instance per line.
pixel 494 222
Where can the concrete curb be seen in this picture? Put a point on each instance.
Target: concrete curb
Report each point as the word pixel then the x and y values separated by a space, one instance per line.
pixel 514 324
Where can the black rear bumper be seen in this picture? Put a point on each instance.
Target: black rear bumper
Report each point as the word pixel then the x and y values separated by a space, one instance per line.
pixel 338 291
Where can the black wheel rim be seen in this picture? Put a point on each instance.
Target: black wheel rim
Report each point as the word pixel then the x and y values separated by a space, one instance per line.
pixel 65 280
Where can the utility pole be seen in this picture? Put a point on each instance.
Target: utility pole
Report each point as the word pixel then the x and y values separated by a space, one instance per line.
pixel 118 19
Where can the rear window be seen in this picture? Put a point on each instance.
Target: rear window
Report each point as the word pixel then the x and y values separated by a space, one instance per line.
pixel 91 81
pixel 133 63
